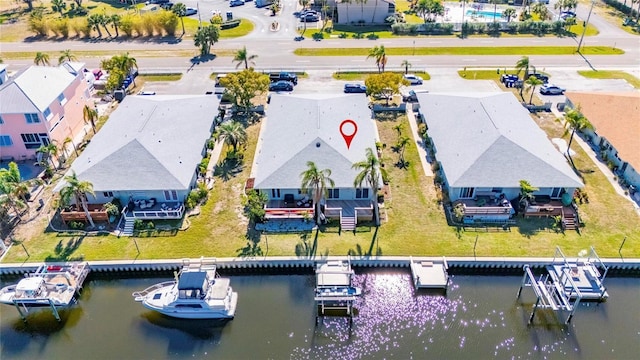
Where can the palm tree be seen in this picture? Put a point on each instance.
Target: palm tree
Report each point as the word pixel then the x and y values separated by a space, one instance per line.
pixel 12 185
pixel 398 128
pixel 532 82
pixel 242 56
pixel 115 22
pixel 371 171
pixel 94 21
pixel 523 64
pixel 58 6
pixel 315 181
pixel 125 64
pixel 540 9
pixel 406 65
pixel 403 141
pixel 233 133
pixel 49 151
pixel 380 55
pixel 41 58
pixel 90 116
pixel 66 55
pixel 325 8
pixel 575 121
pixel 180 9
pixel 78 190
pixel 526 193
pixel 68 140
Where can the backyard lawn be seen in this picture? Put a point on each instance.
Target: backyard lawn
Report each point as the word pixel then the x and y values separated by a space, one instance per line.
pixel 414 222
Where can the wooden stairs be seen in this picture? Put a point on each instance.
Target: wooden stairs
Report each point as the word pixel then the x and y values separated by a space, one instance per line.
pixel 347 223
pixel 568 219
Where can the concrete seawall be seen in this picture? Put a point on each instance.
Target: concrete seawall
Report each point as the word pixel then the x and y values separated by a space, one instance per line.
pixel 468 265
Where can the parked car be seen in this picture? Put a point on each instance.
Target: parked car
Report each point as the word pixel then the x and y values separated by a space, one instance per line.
pixel 567 14
pixel 411 95
pixel 284 76
pixel 413 79
pixel 159 2
pixel 233 3
pixel 551 90
pixel 305 12
pixel 544 78
pixel 146 93
pixel 310 18
pixel 167 6
pixel 190 11
pixel 281 85
pixel 355 88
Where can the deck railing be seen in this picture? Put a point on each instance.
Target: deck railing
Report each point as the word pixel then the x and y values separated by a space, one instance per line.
pixel 157 213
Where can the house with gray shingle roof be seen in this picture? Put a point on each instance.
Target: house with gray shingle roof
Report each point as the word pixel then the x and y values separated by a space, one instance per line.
pixel 302 128
pixel 486 143
pixel 149 148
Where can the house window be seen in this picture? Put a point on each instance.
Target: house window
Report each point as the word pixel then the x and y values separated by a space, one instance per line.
pixel 170 195
pixel 466 192
pixel 1 121
pixel 497 190
pixel 62 99
pixel 32 118
pixel 107 194
pixel 34 141
pixel 5 140
pixel 333 194
pixel 557 192
pixel 275 193
pixel 362 193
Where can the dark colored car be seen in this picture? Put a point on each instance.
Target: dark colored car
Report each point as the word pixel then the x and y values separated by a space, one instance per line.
pixel 284 76
pixel 167 6
pixel 355 88
pixel 542 77
pixel 281 85
pixel 233 3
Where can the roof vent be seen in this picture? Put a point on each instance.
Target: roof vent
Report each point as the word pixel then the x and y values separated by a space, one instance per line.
pixel 318 144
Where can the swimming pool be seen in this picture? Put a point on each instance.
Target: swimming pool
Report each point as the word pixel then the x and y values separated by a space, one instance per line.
pixel 28 171
pixel 483 13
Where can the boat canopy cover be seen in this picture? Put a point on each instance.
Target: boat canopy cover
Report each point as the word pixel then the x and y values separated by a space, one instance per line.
pixel 192 280
pixel 29 284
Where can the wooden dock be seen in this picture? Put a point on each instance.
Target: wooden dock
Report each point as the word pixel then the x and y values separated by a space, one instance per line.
pixel 430 274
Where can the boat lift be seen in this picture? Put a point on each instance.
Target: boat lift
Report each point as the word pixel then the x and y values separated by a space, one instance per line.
pixel 429 274
pixel 587 275
pixel 333 285
pixel 550 294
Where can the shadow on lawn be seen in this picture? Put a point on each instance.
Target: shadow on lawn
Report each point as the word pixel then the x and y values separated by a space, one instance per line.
pixel 64 252
pixel 306 250
pixel 229 167
pixel 531 226
pixel 359 252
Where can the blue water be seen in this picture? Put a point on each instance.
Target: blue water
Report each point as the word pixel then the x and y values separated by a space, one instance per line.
pixel 27 171
pixel 483 13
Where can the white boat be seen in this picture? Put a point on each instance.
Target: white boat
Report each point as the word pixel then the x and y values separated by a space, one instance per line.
pixel 197 293
pixel 333 282
pixel 49 285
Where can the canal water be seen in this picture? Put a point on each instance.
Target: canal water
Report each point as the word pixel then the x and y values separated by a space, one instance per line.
pixel 479 318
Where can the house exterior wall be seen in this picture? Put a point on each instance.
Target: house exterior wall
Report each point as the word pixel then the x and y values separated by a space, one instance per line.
pixel 631 175
pixel 65 120
pixel 510 193
pixel 628 173
pixel 344 194
pixel 102 197
pixel 372 12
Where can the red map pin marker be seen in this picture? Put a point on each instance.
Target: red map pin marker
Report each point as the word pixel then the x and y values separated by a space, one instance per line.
pixel 348 131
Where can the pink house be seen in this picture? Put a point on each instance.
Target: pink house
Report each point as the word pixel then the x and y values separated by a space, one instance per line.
pixel 39 105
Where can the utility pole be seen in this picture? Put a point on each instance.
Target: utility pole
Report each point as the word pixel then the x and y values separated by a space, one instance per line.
pixel 586 23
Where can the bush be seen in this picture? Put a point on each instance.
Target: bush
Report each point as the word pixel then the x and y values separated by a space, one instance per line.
pixel 80 27
pixel 168 21
pixel 254 205
pixel 151 225
pixel 216 19
pixel 230 24
pixel 138 224
pixel 343 35
pixel 196 196
pixel 38 24
pixel 111 209
pixel 318 36
pixel 127 25
pixel 61 27
pixel 373 36
pixel 204 163
pixel 76 225
pixel 357 36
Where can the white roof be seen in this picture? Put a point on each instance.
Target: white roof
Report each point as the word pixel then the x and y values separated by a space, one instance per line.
pixel 302 128
pixel 29 284
pixel 43 84
pixel 490 140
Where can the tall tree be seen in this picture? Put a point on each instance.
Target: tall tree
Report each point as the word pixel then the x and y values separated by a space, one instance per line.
pixel 233 133
pixel 114 20
pixel 58 6
pixel 316 182
pixel 94 21
pixel 90 116
pixel 66 55
pixel 41 58
pixel 11 184
pixel 380 55
pixel 49 152
pixel 532 82
pixel 206 37
pixel 575 121
pixel 244 85
pixel 242 57
pixel 523 64
pixel 385 85
pixel 78 190
pixel 540 9
pixel 119 67
pixel 406 65
pixel 509 13
pixel 371 172
pixel 402 143
pixel 180 9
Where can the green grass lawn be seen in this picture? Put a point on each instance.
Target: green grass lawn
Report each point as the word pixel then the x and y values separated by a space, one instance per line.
pixel 161 77
pixel 82 54
pixel 482 50
pixel 362 75
pixel 415 223
pixel 611 74
pixel 483 74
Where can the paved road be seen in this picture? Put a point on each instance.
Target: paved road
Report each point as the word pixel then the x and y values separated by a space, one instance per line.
pixel 275 48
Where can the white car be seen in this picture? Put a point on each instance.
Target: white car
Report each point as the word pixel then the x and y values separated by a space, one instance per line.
pixel 190 11
pixel 413 79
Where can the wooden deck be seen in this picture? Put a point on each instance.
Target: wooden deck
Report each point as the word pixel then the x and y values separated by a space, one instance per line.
pixel 74 214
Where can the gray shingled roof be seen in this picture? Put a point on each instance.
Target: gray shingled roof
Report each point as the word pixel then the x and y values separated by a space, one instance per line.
pixel 490 140
pixel 301 128
pixel 149 143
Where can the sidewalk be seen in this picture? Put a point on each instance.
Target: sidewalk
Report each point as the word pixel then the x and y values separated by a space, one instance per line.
pixel 418 141
pixel 602 167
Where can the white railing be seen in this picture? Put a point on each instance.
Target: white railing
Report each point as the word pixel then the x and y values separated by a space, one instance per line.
pixel 158 214
pixel 140 295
